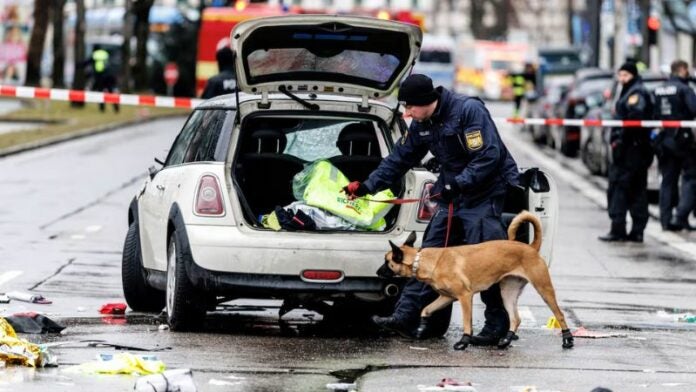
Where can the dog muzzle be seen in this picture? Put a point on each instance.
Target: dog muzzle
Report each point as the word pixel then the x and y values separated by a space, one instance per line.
pixel 385 272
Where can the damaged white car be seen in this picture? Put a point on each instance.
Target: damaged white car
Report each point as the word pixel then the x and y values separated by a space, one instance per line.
pixel 310 90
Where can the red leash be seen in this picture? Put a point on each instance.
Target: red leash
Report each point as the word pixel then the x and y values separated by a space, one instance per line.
pixel 450 209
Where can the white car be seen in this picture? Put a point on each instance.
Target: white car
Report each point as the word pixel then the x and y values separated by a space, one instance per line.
pixel 309 89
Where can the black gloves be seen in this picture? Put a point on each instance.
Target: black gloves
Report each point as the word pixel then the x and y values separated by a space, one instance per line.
pixel 449 192
pixel 356 189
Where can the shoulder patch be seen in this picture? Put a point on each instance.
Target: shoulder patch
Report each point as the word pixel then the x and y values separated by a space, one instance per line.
pixel 633 99
pixel 474 140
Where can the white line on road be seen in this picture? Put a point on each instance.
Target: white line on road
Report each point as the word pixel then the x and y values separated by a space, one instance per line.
pixel 599 197
pixel 8 276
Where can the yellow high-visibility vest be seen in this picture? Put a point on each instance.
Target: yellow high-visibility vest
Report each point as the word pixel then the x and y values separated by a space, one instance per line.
pixel 320 184
pixel 100 57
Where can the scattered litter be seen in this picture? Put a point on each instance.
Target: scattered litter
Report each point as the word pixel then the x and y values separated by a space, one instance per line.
pixel 102 343
pixel 163 327
pixel 449 384
pixel 214 381
pixel 678 317
pixel 16 351
pixel 177 380
pixel 28 297
pixel 341 386
pixel 113 308
pixel 32 322
pixel 123 363
pixel 417 348
pixel 4 299
pixel 553 323
pixel 584 333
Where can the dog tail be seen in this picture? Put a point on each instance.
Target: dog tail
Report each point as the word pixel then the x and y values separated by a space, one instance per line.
pixel 526 216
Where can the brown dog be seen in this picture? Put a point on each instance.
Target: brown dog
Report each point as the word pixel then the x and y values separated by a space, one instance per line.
pixel 458 272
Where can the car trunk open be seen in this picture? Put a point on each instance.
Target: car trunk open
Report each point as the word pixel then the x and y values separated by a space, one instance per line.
pixel 271 151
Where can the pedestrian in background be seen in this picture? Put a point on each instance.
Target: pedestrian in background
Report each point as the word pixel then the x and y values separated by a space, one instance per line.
pixel 675 149
pixel 225 82
pixel 631 154
pixel 103 79
pixel 477 171
pixel 523 84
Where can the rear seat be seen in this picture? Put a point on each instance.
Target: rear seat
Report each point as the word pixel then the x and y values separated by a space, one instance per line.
pixel 266 172
pixel 360 153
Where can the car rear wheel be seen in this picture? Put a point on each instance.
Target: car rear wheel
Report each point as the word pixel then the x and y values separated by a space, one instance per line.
pixel 139 295
pixel 185 305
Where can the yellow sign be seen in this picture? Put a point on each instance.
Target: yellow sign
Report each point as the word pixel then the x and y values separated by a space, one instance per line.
pixel 474 140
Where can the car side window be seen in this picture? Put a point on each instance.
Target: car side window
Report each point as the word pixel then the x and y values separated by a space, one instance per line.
pixel 198 140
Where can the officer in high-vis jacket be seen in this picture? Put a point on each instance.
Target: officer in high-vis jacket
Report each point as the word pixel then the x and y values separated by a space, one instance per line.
pixel 476 171
pixel 675 100
pixel 631 156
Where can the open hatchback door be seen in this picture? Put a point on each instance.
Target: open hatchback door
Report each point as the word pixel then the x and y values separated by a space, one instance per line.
pixel 359 56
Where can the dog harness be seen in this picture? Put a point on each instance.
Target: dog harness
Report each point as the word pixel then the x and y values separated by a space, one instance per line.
pixel 416 264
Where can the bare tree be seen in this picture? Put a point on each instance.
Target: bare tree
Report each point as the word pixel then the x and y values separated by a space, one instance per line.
pixel 128 22
pixel 42 12
pixel 141 10
pixel 80 80
pixel 58 44
pixel 500 12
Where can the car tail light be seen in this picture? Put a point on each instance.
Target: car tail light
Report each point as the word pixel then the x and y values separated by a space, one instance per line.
pixel 322 275
pixel 426 207
pixel 209 197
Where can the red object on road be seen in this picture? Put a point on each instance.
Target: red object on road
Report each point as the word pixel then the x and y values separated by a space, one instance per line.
pixel 113 308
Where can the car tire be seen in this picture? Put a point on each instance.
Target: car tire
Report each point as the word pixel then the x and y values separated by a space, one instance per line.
pixel 139 295
pixel 184 304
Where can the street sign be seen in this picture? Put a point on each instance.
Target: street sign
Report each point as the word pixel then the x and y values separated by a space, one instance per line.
pixel 171 74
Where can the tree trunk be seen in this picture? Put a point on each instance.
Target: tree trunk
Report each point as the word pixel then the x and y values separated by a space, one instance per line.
pixel 79 79
pixel 42 12
pixel 126 77
pixel 141 10
pixel 58 44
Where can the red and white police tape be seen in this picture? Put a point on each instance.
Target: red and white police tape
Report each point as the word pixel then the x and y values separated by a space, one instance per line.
pixel 190 103
pixel 600 123
pixel 56 94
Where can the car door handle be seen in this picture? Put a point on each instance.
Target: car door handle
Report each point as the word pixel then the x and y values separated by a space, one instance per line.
pixel 160 187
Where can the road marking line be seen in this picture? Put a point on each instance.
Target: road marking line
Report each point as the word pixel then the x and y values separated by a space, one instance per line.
pixel 9 275
pixel 599 197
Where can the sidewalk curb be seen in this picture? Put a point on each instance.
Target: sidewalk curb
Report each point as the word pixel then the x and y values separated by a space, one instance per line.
pixel 85 133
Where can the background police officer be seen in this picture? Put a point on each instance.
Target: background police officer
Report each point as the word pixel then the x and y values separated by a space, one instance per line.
pixel 675 100
pixel 631 154
pixel 225 82
pixel 476 169
pixel 103 76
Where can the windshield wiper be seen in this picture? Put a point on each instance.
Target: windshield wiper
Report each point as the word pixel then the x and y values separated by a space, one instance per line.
pixel 303 102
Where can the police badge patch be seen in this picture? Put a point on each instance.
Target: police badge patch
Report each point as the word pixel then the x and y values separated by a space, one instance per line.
pixel 474 140
pixel 633 99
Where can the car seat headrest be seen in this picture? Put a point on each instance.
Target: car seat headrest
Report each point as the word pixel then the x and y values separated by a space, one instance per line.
pixel 358 139
pixel 267 141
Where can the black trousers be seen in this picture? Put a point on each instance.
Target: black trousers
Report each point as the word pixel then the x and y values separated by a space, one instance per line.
pixel 687 200
pixel 627 192
pixel 670 168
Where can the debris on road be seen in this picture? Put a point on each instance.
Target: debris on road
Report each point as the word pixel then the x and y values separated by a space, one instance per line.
pixel 449 384
pixel 176 380
pixel 4 299
pixel 584 333
pixel 417 348
pixel 123 363
pixel 16 351
pixel 163 327
pixel 113 308
pixel 341 386
pixel 677 317
pixel 28 297
pixel 34 323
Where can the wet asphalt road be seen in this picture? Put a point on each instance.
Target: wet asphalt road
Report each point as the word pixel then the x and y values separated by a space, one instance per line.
pixel 63 220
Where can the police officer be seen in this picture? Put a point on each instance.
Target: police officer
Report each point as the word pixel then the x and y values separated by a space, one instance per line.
pixel 476 169
pixel 631 155
pixel 225 81
pixel 522 82
pixel 104 79
pixel 675 100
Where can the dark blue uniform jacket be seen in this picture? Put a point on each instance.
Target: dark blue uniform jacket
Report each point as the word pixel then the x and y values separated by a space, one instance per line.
pixel 462 136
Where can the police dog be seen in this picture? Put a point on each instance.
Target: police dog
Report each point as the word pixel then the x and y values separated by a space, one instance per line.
pixel 458 272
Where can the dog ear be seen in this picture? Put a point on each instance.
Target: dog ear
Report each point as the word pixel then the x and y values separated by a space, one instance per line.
pixel 411 239
pixel 397 253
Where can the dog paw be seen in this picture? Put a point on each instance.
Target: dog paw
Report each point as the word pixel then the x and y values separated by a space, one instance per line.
pixel 568 341
pixel 462 343
pixel 504 342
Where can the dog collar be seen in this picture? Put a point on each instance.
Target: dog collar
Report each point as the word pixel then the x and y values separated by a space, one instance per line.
pixel 416 264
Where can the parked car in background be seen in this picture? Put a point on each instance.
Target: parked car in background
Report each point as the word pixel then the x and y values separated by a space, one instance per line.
pixel 587 81
pixel 595 148
pixel 197 235
pixel 547 106
pixel 437 60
